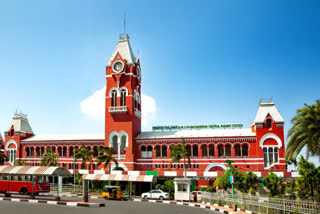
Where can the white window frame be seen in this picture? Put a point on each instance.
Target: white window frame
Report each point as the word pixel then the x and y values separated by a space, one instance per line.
pixel 274 156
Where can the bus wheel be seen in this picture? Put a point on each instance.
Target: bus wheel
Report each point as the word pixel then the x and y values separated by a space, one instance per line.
pixel 24 191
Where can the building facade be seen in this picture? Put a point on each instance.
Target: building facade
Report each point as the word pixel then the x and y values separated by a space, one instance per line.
pixel 257 148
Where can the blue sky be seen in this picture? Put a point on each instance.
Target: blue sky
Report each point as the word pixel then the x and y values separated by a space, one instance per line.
pixel 203 62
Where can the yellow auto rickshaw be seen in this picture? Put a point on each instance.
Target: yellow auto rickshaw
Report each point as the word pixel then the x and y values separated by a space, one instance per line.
pixel 112 192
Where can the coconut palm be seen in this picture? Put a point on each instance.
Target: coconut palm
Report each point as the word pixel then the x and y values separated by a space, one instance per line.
pixel 49 158
pixel 305 132
pixel 84 154
pixel 105 157
pixel 3 158
pixel 178 152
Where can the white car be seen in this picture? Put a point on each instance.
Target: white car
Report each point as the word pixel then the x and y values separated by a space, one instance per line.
pixel 155 194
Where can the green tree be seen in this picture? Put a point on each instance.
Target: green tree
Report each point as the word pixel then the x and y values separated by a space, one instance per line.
pixel 167 186
pixel 3 158
pixel 308 182
pixel 178 152
pixel 84 154
pixel 49 158
pixel 105 157
pixel 249 182
pixel 274 184
pixel 291 189
pixel 305 132
pixel 19 162
pixel 224 180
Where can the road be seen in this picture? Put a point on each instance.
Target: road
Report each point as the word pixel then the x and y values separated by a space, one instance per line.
pixel 114 207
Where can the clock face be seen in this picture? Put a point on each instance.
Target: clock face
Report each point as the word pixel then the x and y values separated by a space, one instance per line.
pixel 117 66
pixel 138 73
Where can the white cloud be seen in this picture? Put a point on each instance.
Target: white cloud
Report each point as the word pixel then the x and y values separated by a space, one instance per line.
pixel 94 107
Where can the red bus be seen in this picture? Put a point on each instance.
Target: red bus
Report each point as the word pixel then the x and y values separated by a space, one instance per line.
pixel 23 185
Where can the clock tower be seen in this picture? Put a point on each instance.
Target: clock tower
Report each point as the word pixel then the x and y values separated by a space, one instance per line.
pixel 123 102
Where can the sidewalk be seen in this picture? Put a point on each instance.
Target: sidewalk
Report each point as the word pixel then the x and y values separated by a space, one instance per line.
pixel 225 210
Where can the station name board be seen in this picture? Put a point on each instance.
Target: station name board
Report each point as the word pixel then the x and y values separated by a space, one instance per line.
pixel 213 126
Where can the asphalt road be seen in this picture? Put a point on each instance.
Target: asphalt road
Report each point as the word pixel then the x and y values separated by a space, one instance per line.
pixel 113 207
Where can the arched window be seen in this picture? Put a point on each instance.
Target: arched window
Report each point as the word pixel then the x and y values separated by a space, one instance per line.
pixel 54 149
pixel 149 151
pixel 195 151
pixel 158 152
pixel 204 151
pixel 123 144
pixel 64 151
pixel 38 152
pixel 115 144
pixel 245 152
pixel 188 148
pixel 114 98
pixel 123 97
pixel 269 124
pixel 11 132
pixel 164 151
pixel 220 151
pixel 228 150
pixel 237 150
pixel 71 153
pixel 143 152
pixel 59 151
pixel 95 151
pixel 211 150
pixel 27 152
pixel 41 151
pixel 32 152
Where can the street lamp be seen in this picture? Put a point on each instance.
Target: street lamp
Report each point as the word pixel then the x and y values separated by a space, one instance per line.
pixel 229 162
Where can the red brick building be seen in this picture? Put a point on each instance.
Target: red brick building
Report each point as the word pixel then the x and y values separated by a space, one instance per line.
pixel 257 148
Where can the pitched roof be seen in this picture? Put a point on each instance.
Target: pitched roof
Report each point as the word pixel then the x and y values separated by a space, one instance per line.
pixel 266 108
pixel 124 49
pixel 20 123
pixel 69 137
pixel 197 133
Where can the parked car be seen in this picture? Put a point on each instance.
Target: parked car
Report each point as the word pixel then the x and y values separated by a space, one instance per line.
pixel 198 195
pixel 155 194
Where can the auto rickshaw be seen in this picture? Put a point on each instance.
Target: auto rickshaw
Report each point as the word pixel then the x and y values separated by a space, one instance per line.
pixel 112 192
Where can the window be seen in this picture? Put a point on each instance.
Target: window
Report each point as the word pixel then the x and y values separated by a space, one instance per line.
pixel 228 150
pixel 204 151
pixel 157 166
pixel 237 150
pixel 143 152
pixel 41 151
pixel 211 150
pixel 188 148
pixel 38 152
pixel 196 166
pixel 59 152
pixel 220 151
pixel 172 166
pixel 114 98
pixel 27 152
pixel 149 149
pixel 158 152
pixel 70 151
pixel 182 187
pixel 164 151
pixel 64 151
pixel 195 151
pixel 245 152
pixel 95 151
pixel 269 124
pixel 165 166
pixel 123 98
pixel 115 144
pixel 149 166
pixel 12 155
pixel 270 156
pixel 123 144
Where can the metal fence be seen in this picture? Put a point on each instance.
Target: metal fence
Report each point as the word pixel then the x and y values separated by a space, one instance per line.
pixel 263 204
pixel 67 188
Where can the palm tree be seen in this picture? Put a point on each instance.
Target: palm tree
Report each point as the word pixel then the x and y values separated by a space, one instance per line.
pixel 105 157
pixel 49 158
pixel 3 158
pixel 84 154
pixel 305 132
pixel 178 152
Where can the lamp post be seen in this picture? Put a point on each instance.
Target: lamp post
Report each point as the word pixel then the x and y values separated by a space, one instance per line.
pixel 229 162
